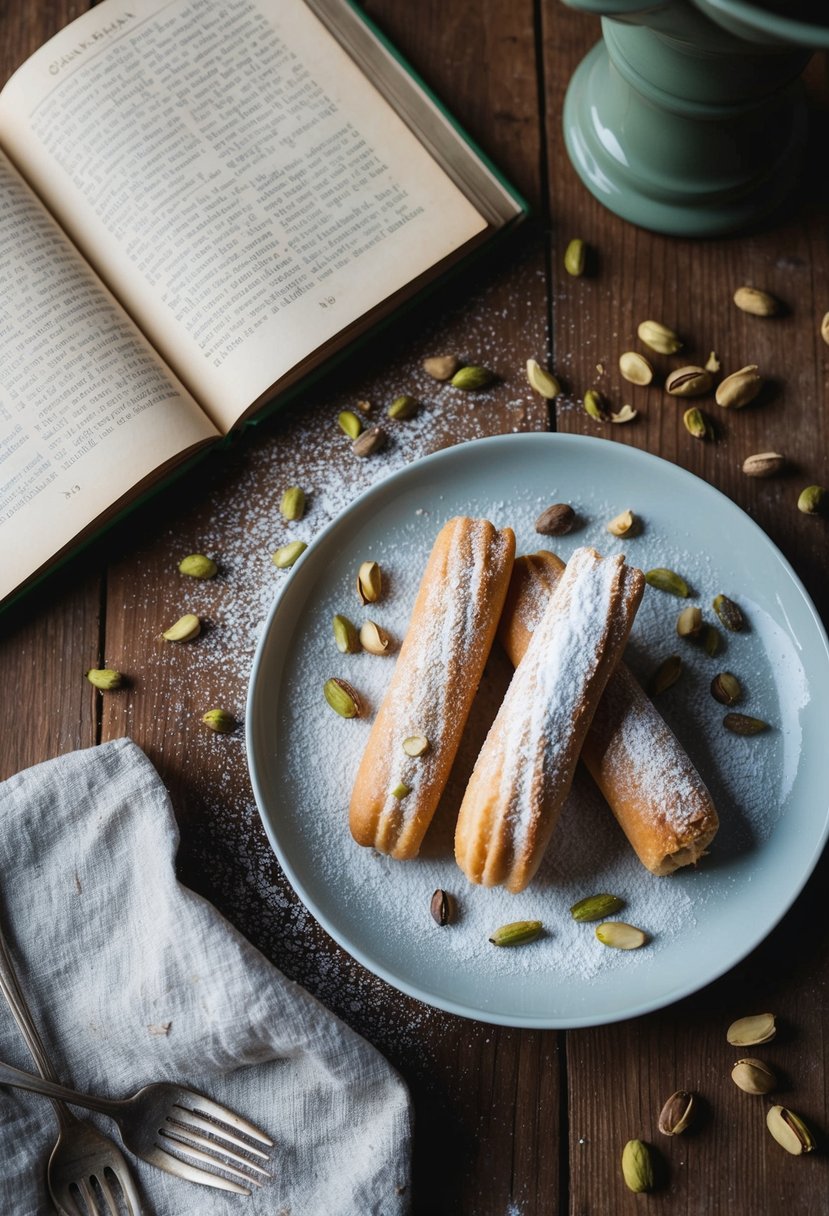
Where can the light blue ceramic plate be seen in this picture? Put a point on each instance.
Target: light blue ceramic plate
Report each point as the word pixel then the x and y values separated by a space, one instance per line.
pixel 772 790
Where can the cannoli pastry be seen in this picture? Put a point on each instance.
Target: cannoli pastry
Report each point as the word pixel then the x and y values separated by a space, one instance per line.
pixel 427 703
pixel 648 781
pixel 525 768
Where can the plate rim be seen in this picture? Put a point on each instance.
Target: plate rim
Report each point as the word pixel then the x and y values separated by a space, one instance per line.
pixel 381 488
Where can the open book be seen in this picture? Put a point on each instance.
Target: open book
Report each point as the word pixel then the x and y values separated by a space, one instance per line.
pixel 200 201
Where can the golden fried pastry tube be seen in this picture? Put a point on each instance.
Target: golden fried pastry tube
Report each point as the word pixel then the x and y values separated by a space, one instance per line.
pixel 438 670
pixel 649 782
pixel 525 768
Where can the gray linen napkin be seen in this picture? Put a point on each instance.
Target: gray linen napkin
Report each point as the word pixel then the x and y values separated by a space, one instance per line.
pixel 110 947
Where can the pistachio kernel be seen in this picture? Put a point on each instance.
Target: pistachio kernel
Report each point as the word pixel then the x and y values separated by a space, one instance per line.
pixel 369 442
pixel 441 367
pixel 196 565
pixel 763 464
pixel 824 328
pixel 758 303
pixel 556 520
pixel 742 724
pixel 711 641
pixel 342 698
pixel 620 936
pixel 220 721
pixel 659 338
pixel 753 1076
pixel 697 424
pixel 415 745
pixel 516 933
pixel 678 1113
pixel 691 381
pixel 812 500
pixel 596 907
pixel 789 1130
pixel 440 907
pixel 739 388
pixel 292 505
pixel 401 790
pixel 668 580
pixel 623 524
pixel 104 678
pixel 402 408
pixel 350 423
pixel 471 379
pixel 666 675
pixel 635 368
pixel 726 689
pixel 637 1167
pixel 345 635
pixel 729 613
pixel 595 406
pixel 749 1031
pixel 689 622
pixel 369 582
pixel 374 639
pixel 542 381
pixel 185 629
pixel 626 414
pixel 575 257
pixel 286 555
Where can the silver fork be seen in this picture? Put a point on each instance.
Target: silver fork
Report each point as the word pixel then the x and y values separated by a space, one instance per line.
pixel 84 1161
pixel 164 1117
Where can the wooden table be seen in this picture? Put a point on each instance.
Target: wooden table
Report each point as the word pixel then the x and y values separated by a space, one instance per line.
pixel 509 1122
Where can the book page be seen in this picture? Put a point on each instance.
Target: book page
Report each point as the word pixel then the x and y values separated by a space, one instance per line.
pixel 243 188
pixel 87 410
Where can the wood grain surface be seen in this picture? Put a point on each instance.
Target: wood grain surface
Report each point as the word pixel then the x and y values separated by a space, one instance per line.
pixel 508 1122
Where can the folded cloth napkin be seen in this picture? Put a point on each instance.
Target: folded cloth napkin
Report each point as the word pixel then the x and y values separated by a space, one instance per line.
pixel 133 978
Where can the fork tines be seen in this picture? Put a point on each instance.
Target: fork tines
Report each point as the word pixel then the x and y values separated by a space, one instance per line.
pixel 205 1135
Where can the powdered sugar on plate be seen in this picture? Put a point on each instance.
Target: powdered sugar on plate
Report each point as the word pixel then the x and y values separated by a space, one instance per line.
pixel 379 908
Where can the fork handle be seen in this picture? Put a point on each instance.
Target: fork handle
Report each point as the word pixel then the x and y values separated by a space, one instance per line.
pixel 10 987
pixel 51 1089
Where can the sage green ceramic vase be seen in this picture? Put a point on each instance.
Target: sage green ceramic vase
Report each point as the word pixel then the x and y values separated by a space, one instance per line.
pixel 689 117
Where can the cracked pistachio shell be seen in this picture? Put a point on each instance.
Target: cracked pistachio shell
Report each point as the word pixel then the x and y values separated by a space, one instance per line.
pixel 824 328
pixel 441 367
pixel 374 639
pixel 746 1032
pixel 689 622
pixel 763 464
pixel 789 1130
pixel 678 1113
pixel 542 381
pixel 369 582
pixel 623 524
pixel 185 629
pixel 689 381
pixel 739 388
pixel 659 338
pixel 726 688
pixel 753 1076
pixel 637 1167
